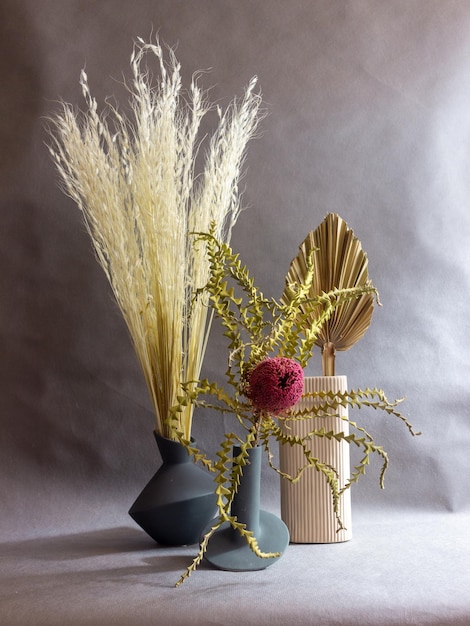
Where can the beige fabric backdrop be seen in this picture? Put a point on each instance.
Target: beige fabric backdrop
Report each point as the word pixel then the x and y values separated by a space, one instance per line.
pixel 369 116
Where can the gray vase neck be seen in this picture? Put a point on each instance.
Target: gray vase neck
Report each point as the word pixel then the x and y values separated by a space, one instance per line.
pixel 246 502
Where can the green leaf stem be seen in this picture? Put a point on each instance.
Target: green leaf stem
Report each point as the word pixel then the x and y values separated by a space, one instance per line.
pixel 257 328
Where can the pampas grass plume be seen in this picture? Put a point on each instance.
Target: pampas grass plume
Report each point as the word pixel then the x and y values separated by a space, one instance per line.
pixel 135 181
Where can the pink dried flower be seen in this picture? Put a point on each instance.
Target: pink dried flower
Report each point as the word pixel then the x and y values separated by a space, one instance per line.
pixel 275 385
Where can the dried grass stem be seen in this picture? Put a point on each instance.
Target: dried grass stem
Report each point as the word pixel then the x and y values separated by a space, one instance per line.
pixel 134 179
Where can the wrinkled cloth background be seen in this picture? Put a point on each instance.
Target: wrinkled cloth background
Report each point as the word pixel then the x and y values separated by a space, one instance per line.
pixel 368 116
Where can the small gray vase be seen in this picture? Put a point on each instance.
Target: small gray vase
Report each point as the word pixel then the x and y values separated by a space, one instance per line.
pixel 227 549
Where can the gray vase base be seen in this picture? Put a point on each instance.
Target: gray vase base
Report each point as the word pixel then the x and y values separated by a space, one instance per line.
pixel 227 549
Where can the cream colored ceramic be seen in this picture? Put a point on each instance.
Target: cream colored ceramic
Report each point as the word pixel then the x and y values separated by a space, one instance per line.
pixel 306 506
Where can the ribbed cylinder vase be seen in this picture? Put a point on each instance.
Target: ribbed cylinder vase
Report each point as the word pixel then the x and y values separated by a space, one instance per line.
pixel 307 505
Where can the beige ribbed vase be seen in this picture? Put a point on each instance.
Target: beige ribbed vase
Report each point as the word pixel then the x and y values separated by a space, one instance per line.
pixel 306 506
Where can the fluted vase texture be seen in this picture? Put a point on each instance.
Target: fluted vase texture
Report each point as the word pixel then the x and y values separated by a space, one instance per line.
pixel 306 506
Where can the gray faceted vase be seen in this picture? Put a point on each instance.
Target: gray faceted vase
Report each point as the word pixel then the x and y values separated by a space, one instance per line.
pixel 178 501
pixel 227 549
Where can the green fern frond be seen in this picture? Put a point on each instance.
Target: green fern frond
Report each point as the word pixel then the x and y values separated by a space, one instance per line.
pixel 200 555
pixel 374 398
pixel 257 328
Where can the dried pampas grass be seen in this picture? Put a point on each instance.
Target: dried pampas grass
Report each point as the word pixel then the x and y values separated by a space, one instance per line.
pixel 135 181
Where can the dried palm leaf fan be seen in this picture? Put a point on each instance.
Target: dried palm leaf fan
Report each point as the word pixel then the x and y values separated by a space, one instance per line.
pixel 339 262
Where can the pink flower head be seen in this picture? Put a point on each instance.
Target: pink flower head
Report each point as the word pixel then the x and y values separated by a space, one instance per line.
pixel 275 385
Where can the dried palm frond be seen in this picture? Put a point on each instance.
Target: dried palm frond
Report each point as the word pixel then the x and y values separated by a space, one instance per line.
pixel 339 263
pixel 135 181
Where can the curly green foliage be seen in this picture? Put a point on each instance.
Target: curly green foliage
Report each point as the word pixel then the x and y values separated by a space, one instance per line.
pixel 257 328
pixel 328 403
pixel 229 470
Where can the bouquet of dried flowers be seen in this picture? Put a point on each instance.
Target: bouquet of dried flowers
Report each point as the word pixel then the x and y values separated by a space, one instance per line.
pixel 270 343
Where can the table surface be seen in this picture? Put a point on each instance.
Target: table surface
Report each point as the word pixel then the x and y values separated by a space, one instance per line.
pixel 399 568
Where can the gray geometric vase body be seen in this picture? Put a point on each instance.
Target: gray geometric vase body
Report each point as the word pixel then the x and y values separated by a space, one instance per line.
pixel 178 501
pixel 227 549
